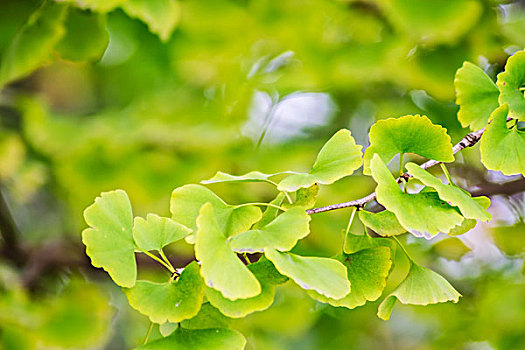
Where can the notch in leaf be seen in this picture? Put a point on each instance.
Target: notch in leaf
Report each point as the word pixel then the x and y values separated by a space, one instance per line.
pixel 339 157
pixel 109 240
pixel 156 232
pixel 408 134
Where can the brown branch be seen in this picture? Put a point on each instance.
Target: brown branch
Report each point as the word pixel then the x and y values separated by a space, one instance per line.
pixel 468 141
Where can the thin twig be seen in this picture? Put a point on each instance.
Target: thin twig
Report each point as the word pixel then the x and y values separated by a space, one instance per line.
pixel 468 141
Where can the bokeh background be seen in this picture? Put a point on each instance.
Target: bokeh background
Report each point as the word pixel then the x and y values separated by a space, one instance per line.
pixel 236 86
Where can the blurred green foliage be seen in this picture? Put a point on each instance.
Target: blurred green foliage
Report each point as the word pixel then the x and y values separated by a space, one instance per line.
pixel 150 95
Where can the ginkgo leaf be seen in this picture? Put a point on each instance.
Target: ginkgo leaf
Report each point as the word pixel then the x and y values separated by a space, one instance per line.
pixel 253 176
pixel 156 232
pixel 422 214
pixel 33 44
pixel 109 240
pixel 267 275
pixel 186 201
pixel 339 157
pixel 383 223
pixel 510 84
pixel 476 95
pixel 355 243
pixel 208 317
pixel 469 224
pixel 86 38
pixel 170 301
pixel 367 271
pixel 501 148
pixel 198 339
pixel 220 267
pixel 270 213
pixel 97 5
pixel 454 195
pixel 161 16
pixel 325 276
pixel 421 286
pixel 281 234
pixel 408 134
pixel 304 197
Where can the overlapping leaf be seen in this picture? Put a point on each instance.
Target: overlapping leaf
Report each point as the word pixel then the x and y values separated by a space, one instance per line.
pixel 501 148
pixel 408 134
pixel 199 339
pixel 220 267
pixel 187 200
pixel 367 271
pixel 420 287
pixel 171 301
pixel 469 224
pixel 476 95
pixel 355 243
pixel 339 157
pixel 511 83
pixel 325 276
pixel 109 240
pixel 281 234
pixel 253 176
pixel 156 232
pixel 267 275
pixel 304 197
pixel 97 5
pixel 383 223
pixel 270 213
pixel 454 195
pixel 161 16
pixel 34 42
pixel 422 214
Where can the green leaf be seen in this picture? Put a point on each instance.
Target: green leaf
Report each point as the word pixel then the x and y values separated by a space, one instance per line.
pixel 186 201
pixel 408 134
pixel 161 16
pixel 469 224
pixel 220 267
pixel 281 234
pixel 367 271
pixel 476 95
pixel 355 243
pixel 267 275
pixel 422 214
pixel 270 213
pixel 109 240
pixel 383 223
pixel 86 38
pixel 97 5
pixel 421 286
pixel 208 317
pixel 170 301
pixel 339 157
pixel 509 83
pixel 156 232
pixel 33 43
pixel 253 176
pixel 501 148
pixel 325 276
pixel 304 197
pixel 454 195
pixel 199 339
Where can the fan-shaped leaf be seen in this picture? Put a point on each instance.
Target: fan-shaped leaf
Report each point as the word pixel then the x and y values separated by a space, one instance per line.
pixel 199 339
pixel 469 224
pixel 454 195
pixel 109 240
pixel 170 301
pixel 325 276
pixel 267 275
pixel 281 234
pixel 501 148
pixel 220 267
pixel 253 176
pixel 208 317
pixel 33 44
pixel 339 157
pixel 511 82
pixel 383 223
pixel 156 232
pixel 367 271
pixel 161 16
pixel 422 214
pixel 420 287
pixel 408 134
pixel 186 201
pixel 270 213
pixel 304 197
pixel 476 95
pixel 355 243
